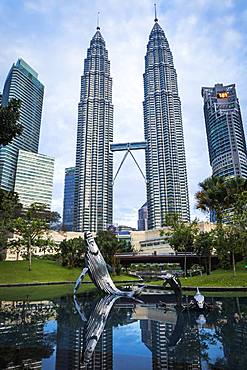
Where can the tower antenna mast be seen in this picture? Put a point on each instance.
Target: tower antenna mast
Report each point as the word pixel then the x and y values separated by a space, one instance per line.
pixel 98 27
pixel 155 13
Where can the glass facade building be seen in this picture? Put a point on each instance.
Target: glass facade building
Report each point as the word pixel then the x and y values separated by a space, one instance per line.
pixel 21 83
pixel 68 200
pixel 143 217
pixel 34 178
pixel 225 133
pixel 94 161
pixel 167 189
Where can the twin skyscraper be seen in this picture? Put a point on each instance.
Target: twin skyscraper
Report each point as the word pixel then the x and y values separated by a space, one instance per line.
pixel 88 197
pixel 166 176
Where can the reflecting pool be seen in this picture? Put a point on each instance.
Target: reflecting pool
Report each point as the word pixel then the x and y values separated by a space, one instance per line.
pixel 105 332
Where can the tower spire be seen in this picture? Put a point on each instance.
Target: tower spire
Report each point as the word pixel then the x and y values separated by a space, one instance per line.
pixel 98 27
pixel 155 13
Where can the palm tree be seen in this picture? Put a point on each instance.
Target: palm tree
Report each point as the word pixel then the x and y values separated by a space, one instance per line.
pixel 235 187
pixel 213 196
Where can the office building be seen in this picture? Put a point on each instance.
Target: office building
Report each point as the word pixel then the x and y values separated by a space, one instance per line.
pixel 167 189
pixel 68 200
pixel 94 161
pixel 225 133
pixel 34 178
pixel 143 218
pixel 21 83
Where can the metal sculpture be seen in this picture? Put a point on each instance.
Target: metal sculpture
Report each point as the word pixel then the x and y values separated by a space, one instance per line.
pixel 97 269
pixel 199 299
pixel 175 284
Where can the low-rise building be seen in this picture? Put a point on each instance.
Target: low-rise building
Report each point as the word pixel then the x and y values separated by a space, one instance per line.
pixel 151 241
pixel 157 240
pixel 57 236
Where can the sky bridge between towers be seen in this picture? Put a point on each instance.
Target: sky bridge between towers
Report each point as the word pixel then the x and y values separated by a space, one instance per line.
pixel 128 148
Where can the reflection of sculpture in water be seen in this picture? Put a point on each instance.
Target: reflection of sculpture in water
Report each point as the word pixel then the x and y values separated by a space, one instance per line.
pixel 97 269
pixel 96 325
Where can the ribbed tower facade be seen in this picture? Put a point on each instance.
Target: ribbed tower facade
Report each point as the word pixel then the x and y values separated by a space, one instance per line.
pixel 94 162
pixel 225 132
pixel 167 188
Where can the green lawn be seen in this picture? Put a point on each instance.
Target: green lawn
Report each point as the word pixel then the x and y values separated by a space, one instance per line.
pixel 42 271
pixel 218 278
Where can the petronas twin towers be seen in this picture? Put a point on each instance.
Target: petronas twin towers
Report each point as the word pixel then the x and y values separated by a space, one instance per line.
pixel 94 161
pixel 167 189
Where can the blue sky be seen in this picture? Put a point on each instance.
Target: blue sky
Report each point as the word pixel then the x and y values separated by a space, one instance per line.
pixel 209 45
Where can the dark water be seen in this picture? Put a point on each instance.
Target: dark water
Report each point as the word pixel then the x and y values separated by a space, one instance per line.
pixel 104 333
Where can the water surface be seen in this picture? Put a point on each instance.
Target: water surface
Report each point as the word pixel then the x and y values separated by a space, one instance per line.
pixel 98 332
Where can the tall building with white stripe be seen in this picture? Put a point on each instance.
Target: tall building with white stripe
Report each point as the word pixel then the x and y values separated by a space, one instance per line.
pixel 94 161
pixel 167 189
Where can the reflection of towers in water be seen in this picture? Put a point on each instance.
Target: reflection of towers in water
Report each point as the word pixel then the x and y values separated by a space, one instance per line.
pixel 190 355
pixel 185 355
pixel 154 336
pixel 102 356
pixel 23 341
pixel 234 341
pixel 69 346
pixel 70 349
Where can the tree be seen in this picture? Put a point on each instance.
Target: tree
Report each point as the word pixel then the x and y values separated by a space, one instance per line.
pixel 227 197
pixel 10 208
pixel 213 197
pixel 31 226
pixel 234 239
pixel 109 246
pixel 71 252
pixel 171 219
pixel 9 126
pixel 203 246
pixel 125 246
pixel 182 238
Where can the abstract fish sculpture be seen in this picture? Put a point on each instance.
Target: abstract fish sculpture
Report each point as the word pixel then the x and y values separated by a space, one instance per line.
pixel 97 269
pixel 175 284
pixel 199 299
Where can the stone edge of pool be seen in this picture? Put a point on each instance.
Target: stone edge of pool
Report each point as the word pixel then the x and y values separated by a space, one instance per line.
pixel 188 288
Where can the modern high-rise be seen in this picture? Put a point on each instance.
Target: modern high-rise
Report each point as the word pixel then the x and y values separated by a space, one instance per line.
pixel 34 178
pixel 21 83
pixel 143 217
pixel 225 133
pixel 167 188
pixel 94 161
pixel 68 200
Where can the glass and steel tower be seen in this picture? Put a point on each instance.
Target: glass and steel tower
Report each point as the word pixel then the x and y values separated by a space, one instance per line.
pixel 142 217
pixel 225 133
pixel 34 178
pixel 21 83
pixel 167 189
pixel 68 200
pixel 94 161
